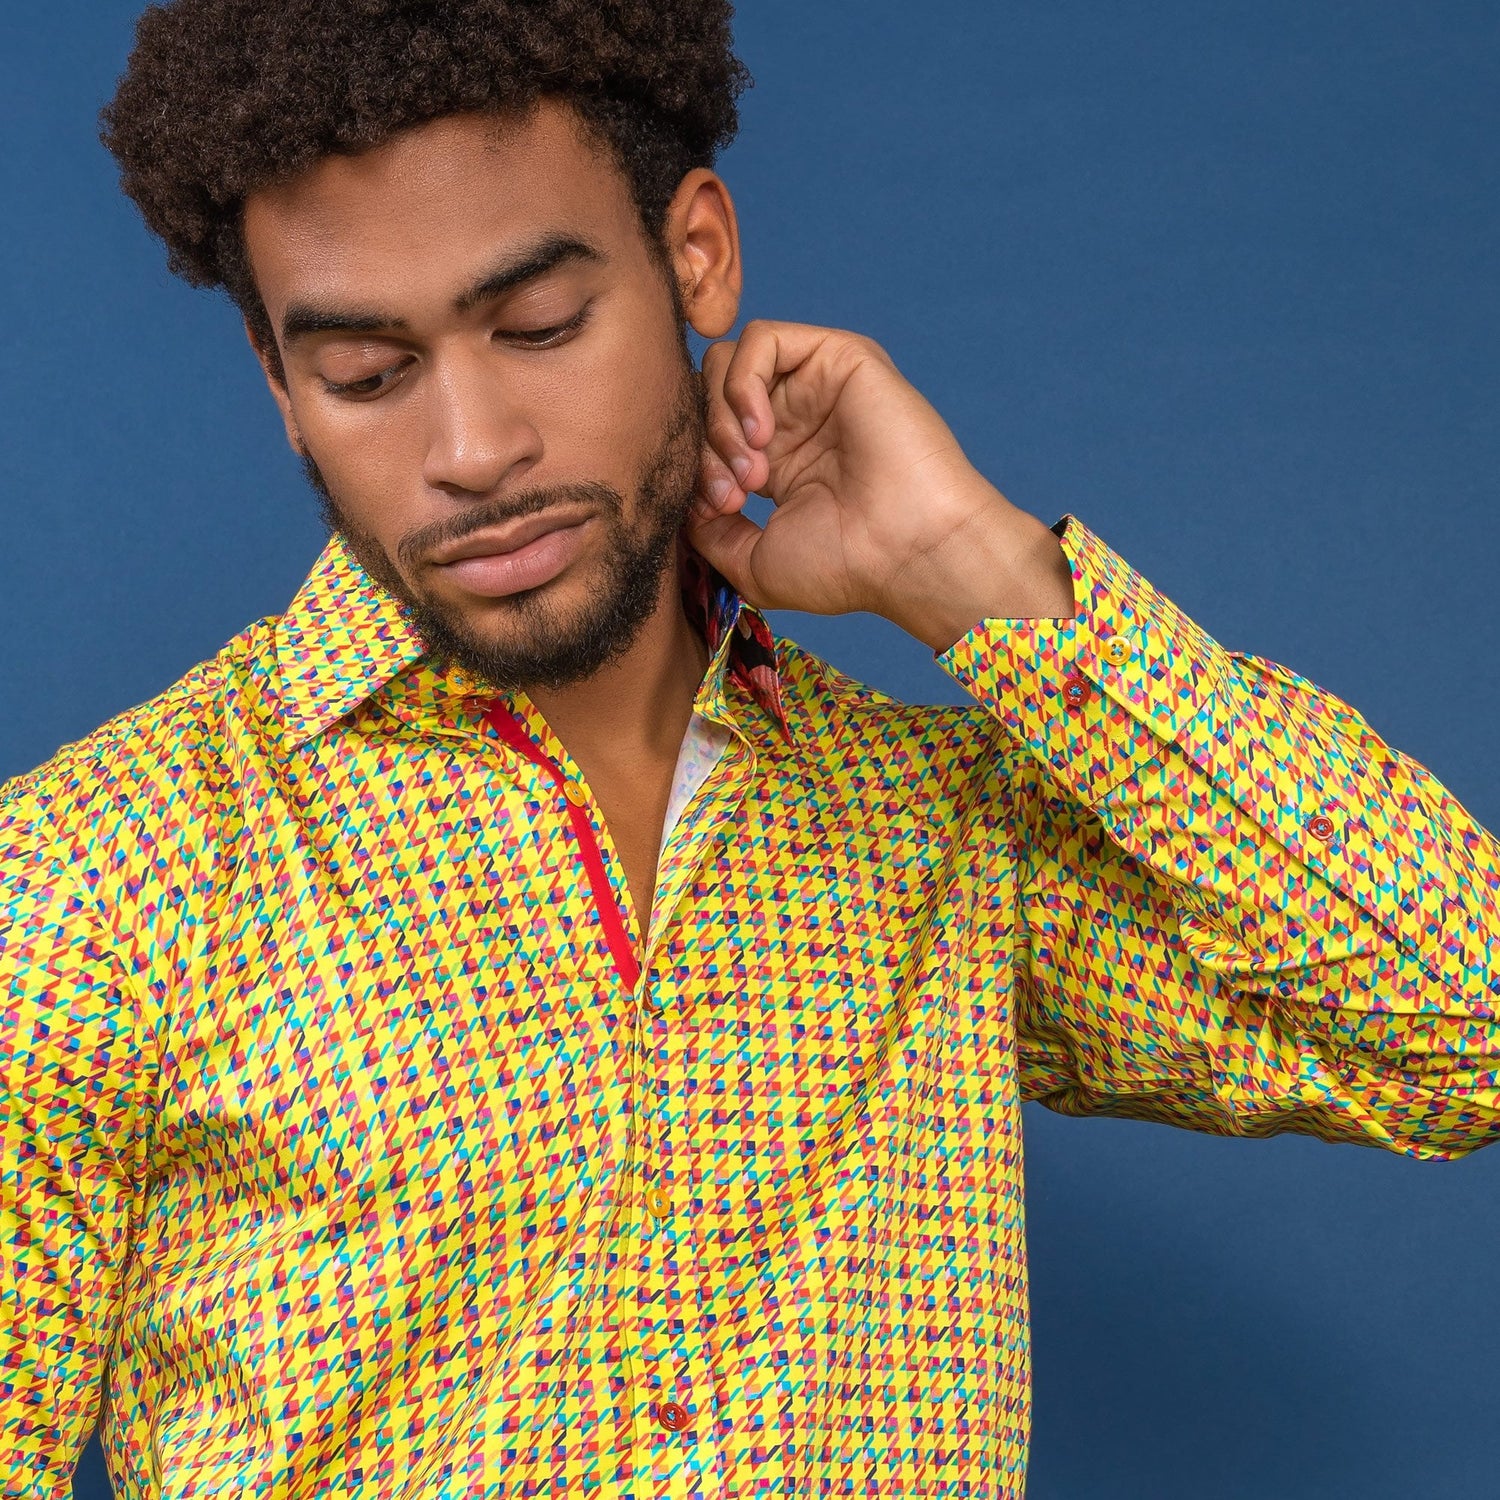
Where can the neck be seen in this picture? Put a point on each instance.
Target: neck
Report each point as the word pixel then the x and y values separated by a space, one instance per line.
pixel 635 711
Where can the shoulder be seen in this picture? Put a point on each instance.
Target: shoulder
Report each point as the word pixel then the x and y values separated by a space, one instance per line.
pixel 836 718
pixel 160 762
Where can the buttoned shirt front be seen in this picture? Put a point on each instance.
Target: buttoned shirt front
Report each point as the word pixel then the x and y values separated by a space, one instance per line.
pixel 360 1138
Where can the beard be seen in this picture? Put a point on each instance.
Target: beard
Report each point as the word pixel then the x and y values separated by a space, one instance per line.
pixel 546 644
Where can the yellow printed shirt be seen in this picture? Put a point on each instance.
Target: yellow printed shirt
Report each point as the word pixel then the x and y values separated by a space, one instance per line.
pixel 360 1139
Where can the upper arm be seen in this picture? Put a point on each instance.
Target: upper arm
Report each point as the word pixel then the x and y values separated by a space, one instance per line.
pixel 71 1141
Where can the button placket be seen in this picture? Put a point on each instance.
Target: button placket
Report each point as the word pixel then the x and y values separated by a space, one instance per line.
pixel 680 1380
pixel 678 1368
pixel 666 1365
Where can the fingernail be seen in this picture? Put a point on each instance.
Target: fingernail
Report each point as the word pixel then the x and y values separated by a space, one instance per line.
pixel 751 427
pixel 718 489
pixel 740 463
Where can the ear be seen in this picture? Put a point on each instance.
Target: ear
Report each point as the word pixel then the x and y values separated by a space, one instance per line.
pixel 270 364
pixel 703 238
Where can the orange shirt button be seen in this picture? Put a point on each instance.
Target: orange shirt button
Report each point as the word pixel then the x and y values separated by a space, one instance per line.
pixel 574 793
pixel 1320 827
pixel 1075 692
pixel 672 1416
pixel 658 1203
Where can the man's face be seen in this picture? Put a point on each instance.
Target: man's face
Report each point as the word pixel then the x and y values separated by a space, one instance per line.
pixel 487 376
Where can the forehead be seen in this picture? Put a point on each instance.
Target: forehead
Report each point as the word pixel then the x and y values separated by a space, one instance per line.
pixel 428 205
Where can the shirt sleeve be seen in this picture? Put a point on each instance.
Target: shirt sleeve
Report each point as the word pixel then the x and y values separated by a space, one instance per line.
pixel 71 1140
pixel 1241 910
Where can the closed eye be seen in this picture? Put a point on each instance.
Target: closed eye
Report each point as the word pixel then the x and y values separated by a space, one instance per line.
pixel 546 338
pixel 368 385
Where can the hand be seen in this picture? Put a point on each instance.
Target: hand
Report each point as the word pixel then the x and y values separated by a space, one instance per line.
pixel 877 507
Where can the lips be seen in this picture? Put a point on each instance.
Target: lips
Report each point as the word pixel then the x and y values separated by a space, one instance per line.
pixel 513 559
pixel 499 540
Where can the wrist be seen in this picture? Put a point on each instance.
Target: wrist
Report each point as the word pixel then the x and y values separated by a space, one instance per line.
pixel 1002 563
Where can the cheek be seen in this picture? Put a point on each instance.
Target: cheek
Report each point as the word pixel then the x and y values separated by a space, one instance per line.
pixel 373 467
pixel 612 407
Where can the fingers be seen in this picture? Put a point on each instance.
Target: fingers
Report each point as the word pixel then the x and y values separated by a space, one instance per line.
pixel 755 361
pixel 731 453
pixel 717 486
pixel 739 379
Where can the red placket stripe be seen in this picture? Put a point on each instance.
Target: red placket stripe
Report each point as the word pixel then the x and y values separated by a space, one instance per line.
pixel 606 904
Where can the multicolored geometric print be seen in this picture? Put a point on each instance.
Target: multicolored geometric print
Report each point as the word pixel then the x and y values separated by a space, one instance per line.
pixel 344 1153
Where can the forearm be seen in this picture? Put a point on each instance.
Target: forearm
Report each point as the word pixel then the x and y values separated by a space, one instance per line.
pixel 1300 922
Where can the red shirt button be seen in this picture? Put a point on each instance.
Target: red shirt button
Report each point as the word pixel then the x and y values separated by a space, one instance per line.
pixel 672 1416
pixel 1075 692
pixel 1320 827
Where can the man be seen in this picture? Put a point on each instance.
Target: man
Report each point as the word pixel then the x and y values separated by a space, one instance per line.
pixel 511 1025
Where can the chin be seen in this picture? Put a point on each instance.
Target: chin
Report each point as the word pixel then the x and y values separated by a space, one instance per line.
pixel 554 609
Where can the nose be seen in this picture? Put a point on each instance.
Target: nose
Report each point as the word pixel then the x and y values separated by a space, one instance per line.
pixel 480 438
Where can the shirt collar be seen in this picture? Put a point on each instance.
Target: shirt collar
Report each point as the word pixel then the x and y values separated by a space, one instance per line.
pixel 743 648
pixel 344 638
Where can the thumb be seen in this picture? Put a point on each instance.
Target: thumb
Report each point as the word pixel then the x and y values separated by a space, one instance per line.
pixel 728 541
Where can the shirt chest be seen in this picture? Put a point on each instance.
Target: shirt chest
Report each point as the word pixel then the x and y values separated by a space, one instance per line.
pixel 409 957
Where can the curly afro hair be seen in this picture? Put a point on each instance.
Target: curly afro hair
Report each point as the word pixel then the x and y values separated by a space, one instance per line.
pixel 221 97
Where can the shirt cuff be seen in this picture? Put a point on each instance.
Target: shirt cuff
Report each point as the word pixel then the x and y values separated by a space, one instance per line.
pixel 1094 696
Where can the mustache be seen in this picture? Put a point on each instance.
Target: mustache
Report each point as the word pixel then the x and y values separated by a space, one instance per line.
pixel 416 544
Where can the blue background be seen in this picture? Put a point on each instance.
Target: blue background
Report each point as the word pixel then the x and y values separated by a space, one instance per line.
pixel 1218 277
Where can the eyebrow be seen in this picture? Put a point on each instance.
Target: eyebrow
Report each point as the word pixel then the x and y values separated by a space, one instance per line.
pixel 303 319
